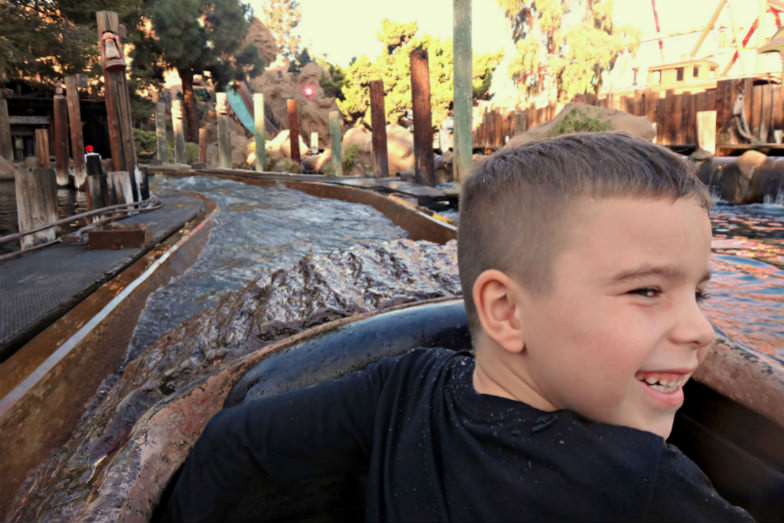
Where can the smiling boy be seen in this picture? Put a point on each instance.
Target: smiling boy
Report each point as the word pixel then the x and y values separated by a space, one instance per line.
pixel 583 260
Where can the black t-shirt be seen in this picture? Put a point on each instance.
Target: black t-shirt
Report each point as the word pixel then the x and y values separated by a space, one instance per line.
pixel 435 450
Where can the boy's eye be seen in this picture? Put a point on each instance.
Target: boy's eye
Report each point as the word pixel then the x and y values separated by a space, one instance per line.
pixel 647 292
pixel 701 295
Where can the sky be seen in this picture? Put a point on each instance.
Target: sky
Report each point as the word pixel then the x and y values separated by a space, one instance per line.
pixel 342 29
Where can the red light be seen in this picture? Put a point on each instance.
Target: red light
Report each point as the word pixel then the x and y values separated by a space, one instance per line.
pixel 308 90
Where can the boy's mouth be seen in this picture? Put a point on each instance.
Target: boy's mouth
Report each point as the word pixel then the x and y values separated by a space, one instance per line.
pixel 666 382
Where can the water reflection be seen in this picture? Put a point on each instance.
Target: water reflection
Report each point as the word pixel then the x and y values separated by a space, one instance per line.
pixel 747 290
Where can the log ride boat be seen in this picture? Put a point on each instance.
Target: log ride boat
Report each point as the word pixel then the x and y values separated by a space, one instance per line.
pixel 731 425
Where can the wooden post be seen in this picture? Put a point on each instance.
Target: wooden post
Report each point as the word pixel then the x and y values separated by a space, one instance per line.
pixel 424 167
pixel 35 203
pixel 60 137
pixel 258 120
pixel 160 132
pixel 118 101
pixel 178 127
pixel 224 132
pixel 6 148
pixel 203 145
pixel 75 124
pixel 42 147
pixel 378 123
pixel 291 105
pixel 98 194
pixel 706 131
pixel 334 134
pixel 119 184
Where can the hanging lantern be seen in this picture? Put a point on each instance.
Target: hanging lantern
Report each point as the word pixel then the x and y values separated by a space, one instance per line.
pixel 111 53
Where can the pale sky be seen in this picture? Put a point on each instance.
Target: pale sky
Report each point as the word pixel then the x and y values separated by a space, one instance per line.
pixel 342 29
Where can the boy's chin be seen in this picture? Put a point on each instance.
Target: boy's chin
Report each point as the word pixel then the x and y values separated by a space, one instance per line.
pixel 661 426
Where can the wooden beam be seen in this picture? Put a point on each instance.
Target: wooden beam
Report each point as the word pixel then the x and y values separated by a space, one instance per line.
pixel 178 127
pixel 463 92
pixel 61 137
pixel 291 105
pixel 160 132
pixel 335 138
pixel 258 121
pixel 42 147
pixel 118 101
pixel 224 131
pixel 203 145
pixel 424 165
pixel 6 147
pixel 378 122
pixel 35 203
pixel 75 125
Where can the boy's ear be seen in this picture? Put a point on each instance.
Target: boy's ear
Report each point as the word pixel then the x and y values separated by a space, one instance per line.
pixel 498 310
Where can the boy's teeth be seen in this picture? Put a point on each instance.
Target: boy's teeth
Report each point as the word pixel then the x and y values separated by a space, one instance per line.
pixel 661 381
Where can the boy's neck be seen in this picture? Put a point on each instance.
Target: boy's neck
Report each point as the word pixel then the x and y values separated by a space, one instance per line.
pixel 496 374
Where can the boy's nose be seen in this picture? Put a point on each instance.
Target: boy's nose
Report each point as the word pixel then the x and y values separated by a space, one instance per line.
pixel 693 327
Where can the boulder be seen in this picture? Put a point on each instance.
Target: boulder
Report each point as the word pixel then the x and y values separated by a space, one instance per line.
pixel 260 35
pixel 280 147
pixel 279 85
pixel 358 151
pixel 619 121
pixel 400 149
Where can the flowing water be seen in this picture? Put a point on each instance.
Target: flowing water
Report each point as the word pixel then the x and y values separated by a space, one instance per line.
pixel 260 230
pixel 257 230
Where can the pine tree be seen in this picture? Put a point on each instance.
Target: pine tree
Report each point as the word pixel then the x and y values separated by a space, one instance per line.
pixel 203 35
pixel 282 17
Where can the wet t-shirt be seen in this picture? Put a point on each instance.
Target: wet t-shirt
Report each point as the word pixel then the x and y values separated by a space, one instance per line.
pixel 435 450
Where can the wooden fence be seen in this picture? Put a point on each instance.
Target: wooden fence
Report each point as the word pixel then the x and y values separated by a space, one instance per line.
pixel 675 115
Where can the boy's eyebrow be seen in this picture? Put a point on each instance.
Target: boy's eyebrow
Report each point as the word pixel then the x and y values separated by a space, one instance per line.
pixel 643 271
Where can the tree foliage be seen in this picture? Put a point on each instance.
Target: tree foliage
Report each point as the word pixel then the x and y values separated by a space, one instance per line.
pixel 193 36
pixel 48 39
pixel 394 68
pixel 282 17
pixel 565 46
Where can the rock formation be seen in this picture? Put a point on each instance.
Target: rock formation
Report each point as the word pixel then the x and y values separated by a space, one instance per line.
pixel 400 150
pixel 618 120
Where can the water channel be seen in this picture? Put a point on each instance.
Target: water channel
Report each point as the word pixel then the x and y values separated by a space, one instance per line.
pixel 746 293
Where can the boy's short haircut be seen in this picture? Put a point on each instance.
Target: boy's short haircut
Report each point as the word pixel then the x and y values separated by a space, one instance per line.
pixel 512 207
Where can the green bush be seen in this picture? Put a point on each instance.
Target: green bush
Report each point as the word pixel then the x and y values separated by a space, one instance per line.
pixel 146 143
pixel 577 121
pixel 350 153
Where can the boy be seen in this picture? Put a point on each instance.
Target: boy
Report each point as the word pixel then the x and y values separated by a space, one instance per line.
pixel 583 260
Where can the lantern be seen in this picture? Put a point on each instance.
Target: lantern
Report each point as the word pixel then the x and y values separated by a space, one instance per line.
pixel 111 53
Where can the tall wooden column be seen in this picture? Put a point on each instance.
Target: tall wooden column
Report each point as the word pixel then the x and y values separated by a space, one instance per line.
pixel 463 96
pixel 337 150
pixel 424 166
pixel 162 152
pixel 60 137
pixel 75 125
pixel 258 120
pixel 178 127
pixel 291 105
pixel 378 122
pixel 118 101
pixel 6 147
pixel 42 148
pixel 224 131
